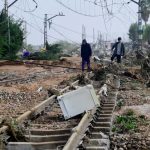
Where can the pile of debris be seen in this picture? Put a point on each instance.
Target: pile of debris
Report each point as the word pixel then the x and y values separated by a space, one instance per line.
pixel 99 74
pixel 130 131
pixel 15 103
pixel 134 141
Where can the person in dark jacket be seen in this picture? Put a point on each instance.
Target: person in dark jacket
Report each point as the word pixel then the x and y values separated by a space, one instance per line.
pixel 86 53
pixel 118 50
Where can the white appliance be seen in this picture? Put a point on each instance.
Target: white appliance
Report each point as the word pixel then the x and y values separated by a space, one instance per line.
pixel 76 102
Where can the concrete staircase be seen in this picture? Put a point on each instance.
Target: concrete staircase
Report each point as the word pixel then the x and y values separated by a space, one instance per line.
pixel 101 126
pixel 42 140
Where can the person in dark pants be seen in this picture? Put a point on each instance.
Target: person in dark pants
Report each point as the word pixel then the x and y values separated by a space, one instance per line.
pixel 86 53
pixel 119 50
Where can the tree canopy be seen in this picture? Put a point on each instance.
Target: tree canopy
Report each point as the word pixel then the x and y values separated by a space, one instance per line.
pixel 146 35
pixel 145 10
pixel 133 32
pixel 16 36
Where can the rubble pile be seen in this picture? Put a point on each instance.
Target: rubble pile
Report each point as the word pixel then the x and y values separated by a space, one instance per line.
pixel 99 74
pixel 130 131
pixel 146 70
pixel 134 141
pixel 131 98
pixel 13 78
pixel 17 97
pixel 133 92
pixel 12 104
pixel 83 80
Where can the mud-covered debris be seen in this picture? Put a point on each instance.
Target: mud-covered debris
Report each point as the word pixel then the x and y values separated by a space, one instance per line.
pixel 83 80
pixel 15 130
pixel 53 91
pixel 134 141
pixel 129 74
pixel 148 84
pixel 99 74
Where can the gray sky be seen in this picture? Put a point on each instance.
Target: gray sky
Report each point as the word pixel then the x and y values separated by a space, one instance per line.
pixel 116 23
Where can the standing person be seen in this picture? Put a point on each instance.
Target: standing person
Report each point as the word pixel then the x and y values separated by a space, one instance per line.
pixel 119 50
pixel 86 53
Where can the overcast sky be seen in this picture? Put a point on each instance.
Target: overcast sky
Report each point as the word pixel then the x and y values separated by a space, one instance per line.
pixel 111 22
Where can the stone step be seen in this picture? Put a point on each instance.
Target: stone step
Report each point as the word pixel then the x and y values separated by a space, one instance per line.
pixel 107 105
pixel 98 142
pixel 47 138
pixel 109 102
pixel 102 124
pixel 107 108
pixel 106 111
pixel 103 119
pixel 98 135
pixel 102 129
pixel 48 132
pixel 34 146
pixel 96 148
pixel 105 115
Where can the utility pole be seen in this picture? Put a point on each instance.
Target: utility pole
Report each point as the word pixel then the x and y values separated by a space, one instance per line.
pixel 140 30
pixel 6 6
pixel 8 23
pixel 45 30
pixel 140 25
pixel 49 20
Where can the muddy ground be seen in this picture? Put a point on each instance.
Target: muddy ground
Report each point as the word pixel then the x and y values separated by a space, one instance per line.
pixel 133 95
pixel 24 86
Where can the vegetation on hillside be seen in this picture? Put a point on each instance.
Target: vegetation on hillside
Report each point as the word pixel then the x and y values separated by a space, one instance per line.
pixel 16 36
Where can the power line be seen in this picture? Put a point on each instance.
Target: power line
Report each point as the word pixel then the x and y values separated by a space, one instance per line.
pixel 66 28
pixel 31 25
pixel 53 28
pixel 62 35
pixel 104 6
pixel 104 17
pixel 36 6
pixel 35 28
pixel 29 12
pixel 107 7
pixel 80 13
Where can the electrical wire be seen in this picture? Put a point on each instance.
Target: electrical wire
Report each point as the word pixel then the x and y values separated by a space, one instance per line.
pixel 104 17
pixel 63 35
pixel 68 29
pixel 104 6
pixel 37 29
pixel 80 13
pixel 107 7
pixel 40 18
pixel 36 6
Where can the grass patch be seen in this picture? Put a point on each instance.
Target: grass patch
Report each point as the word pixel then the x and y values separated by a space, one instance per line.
pixel 128 122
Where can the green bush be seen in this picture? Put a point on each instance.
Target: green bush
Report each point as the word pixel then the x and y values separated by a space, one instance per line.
pixel 52 53
pixel 16 39
pixel 126 122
